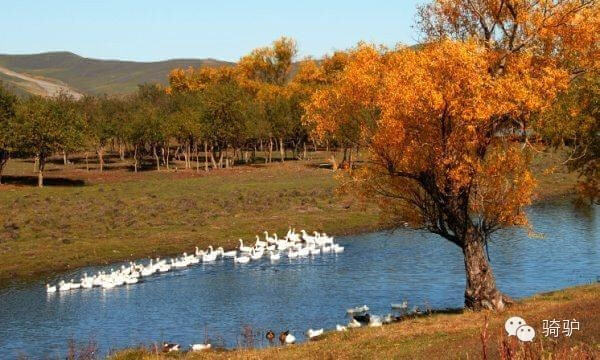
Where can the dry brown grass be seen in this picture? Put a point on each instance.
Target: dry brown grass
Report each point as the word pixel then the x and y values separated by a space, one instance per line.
pixel 445 336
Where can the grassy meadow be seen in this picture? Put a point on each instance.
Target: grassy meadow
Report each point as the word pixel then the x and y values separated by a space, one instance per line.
pixel 82 218
pixel 86 217
pixel 443 335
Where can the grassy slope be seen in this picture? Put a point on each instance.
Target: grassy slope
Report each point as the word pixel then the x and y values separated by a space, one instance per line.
pixel 444 336
pixel 128 216
pixel 96 76
pixel 20 87
pixel 91 218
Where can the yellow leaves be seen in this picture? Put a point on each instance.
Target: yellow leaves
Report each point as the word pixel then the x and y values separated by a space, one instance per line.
pixel 567 30
pixel 197 79
pixel 441 111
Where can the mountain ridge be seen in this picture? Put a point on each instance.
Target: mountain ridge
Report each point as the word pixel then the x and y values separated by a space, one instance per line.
pixel 88 75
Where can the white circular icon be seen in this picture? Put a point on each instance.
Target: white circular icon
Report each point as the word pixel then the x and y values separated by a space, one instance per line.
pixel 512 324
pixel 525 333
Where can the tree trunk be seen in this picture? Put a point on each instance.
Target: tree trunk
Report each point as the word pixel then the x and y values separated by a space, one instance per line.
pixel 157 158
pixel 281 150
pixel 65 160
pixel 186 156
pixel 303 150
pixel 205 156
pixel 166 154
pixel 101 158
pixel 87 164
pixel 481 292
pixel 4 156
pixel 270 149
pixel 212 156
pixel 121 151
pixel 197 157
pixel 135 159
pixel 41 164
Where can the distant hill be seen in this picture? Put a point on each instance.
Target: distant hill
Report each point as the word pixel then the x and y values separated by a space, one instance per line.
pixel 77 74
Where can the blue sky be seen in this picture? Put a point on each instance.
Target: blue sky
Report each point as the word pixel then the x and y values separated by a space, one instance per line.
pixel 222 29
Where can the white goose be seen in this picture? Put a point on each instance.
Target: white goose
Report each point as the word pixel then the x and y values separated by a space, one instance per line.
pixel 256 254
pixel 314 333
pixel 340 328
pixel 51 289
pixel 209 256
pixel 304 252
pixel 163 268
pixel 74 285
pixel 200 347
pixel 315 250
pixel 375 321
pixel 63 286
pixel 261 244
pixel 354 324
pixel 292 254
pixel 244 259
pixel 290 339
pixel 274 256
pixel 309 239
pixel 244 248
pixel 231 253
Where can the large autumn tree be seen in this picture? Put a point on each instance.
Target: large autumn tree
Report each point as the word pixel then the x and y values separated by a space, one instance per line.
pixel 437 120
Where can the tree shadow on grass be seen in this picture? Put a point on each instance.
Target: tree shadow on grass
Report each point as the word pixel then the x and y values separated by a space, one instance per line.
pixel 33 181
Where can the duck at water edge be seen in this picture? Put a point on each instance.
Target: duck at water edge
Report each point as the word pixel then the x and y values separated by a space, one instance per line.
pixel 285 338
pixel 169 347
pixel 270 336
pixel 314 333
pixel 340 328
pixel 200 347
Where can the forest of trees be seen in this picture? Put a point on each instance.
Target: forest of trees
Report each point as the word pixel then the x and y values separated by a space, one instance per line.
pixel 209 117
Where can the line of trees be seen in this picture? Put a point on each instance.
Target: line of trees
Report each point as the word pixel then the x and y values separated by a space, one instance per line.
pixel 254 111
pixel 209 117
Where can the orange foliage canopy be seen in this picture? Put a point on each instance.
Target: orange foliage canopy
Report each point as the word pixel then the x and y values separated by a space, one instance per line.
pixel 567 30
pixel 435 122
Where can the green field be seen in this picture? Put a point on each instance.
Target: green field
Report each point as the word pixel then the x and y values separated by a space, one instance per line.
pixel 86 217
pixel 92 218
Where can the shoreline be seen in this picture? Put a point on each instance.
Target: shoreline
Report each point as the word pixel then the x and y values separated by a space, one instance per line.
pixel 358 230
pixel 432 335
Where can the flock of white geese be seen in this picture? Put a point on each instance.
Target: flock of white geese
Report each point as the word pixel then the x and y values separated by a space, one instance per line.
pixel 293 245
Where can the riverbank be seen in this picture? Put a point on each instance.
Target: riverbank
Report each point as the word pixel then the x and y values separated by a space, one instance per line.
pixel 435 336
pixel 88 218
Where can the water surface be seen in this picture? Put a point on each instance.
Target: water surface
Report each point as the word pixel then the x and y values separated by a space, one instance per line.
pixel 219 299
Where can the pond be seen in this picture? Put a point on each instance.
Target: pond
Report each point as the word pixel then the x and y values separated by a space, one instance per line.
pixel 219 299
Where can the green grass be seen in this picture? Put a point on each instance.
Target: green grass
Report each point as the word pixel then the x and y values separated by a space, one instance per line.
pixel 129 216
